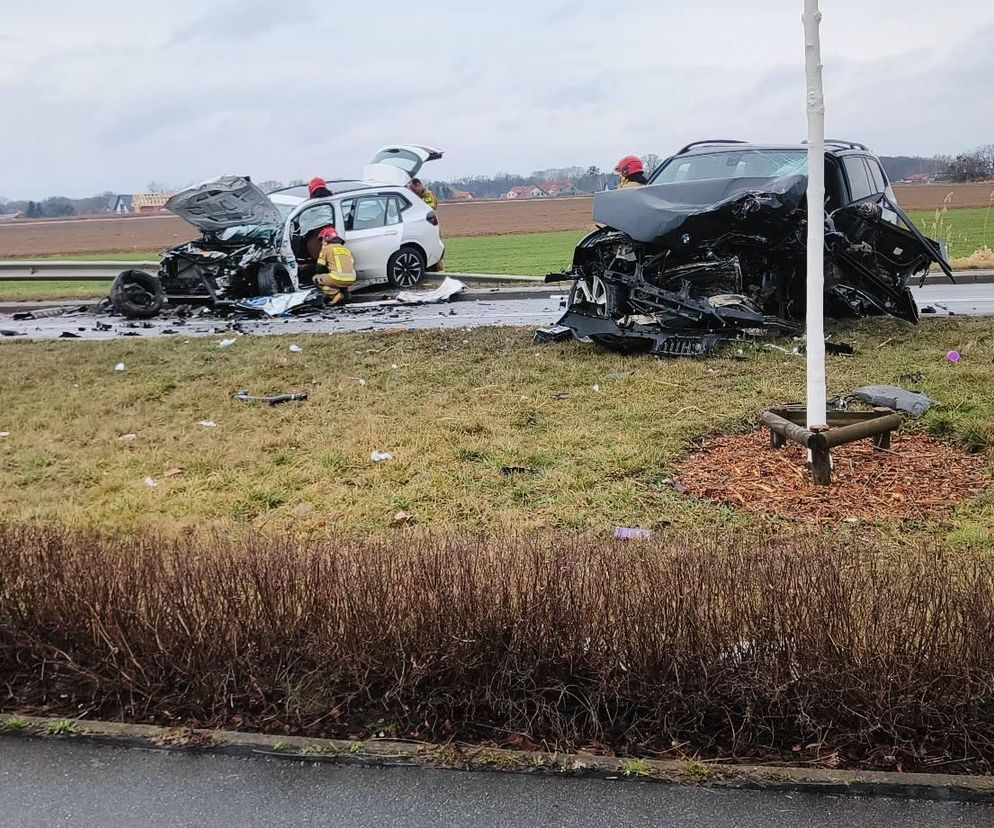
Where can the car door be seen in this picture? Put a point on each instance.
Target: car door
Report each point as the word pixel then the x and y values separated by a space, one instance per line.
pixel 372 232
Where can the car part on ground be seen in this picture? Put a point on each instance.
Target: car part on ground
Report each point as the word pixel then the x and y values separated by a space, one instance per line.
pixel 717 252
pixel 244 396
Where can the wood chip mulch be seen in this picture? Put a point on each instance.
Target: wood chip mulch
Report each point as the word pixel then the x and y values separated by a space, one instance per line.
pixel 917 477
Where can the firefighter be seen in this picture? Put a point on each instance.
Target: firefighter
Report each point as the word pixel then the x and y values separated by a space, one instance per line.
pixel 335 273
pixel 318 188
pixel 426 195
pixel 631 172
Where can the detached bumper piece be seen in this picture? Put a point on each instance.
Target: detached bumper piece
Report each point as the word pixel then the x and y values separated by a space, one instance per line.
pixel 549 336
pixel 637 338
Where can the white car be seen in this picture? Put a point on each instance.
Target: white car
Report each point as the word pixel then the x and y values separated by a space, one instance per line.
pixel 252 244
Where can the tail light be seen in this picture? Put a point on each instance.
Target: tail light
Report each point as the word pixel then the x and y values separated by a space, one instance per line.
pixel 432 218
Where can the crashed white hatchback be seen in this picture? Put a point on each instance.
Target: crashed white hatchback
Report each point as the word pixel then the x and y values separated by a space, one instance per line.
pixel 253 244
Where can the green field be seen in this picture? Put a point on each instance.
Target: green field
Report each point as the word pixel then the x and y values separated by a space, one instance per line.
pixel 536 254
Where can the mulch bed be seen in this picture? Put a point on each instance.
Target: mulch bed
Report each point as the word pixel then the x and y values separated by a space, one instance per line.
pixel 917 477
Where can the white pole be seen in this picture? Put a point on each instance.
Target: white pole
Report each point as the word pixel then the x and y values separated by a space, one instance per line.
pixel 816 226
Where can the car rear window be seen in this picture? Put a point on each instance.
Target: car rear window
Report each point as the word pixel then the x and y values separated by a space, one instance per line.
pixel 734 164
pixel 859 179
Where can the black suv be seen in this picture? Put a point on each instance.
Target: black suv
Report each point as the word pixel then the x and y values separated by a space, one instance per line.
pixel 714 248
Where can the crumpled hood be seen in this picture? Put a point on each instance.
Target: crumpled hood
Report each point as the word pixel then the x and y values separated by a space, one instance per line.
pixel 646 214
pixel 226 201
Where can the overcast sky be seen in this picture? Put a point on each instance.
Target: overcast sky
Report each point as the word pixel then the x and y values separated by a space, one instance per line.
pixel 109 94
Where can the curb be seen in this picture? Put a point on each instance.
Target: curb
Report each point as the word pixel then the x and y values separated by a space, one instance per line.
pixel 455 756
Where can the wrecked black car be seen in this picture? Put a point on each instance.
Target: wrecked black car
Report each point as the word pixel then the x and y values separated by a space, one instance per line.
pixel 714 249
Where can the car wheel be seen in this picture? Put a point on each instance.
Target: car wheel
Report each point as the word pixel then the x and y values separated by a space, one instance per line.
pixel 591 292
pixel 406 268
pixel 272 279
pixel 136 294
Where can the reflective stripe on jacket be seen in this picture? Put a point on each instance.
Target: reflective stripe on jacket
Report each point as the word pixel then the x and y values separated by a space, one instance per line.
pixel 627 184
pixel 339 263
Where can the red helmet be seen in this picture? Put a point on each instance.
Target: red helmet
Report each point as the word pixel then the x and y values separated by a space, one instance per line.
pixel 629 166
pixel 315 185
pixel 329 234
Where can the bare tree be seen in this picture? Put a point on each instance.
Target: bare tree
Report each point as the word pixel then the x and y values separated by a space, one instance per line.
pixel 154 186
pixel 651 162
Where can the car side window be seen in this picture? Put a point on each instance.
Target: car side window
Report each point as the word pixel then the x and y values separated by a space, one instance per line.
pixel 314 218
pixel 876 176
pixel 370 212
pixel 859 180
pixel 348 213
pixel 393 210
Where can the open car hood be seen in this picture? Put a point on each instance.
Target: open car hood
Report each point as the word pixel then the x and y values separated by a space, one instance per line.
pixel 226 201
pixel 398 164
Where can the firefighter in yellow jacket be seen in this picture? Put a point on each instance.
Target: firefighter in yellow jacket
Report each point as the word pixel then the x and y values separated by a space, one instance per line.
pixel 631 172
pixel 335 273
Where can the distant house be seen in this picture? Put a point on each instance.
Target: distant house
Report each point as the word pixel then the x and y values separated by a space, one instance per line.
pixel 9 216
pixel 558 188
pixel 918 178
pixel 121 204
pixel 525 191
pixel 460 195
pixel 149 202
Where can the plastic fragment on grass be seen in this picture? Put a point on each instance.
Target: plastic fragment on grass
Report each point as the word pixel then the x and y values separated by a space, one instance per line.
pixel 402 518
pixel 4 434
pixel 296 349
pixel 151 482
pixel 362 382
pixel 226 343
pixel 176 472
pixel 244 396
pixel 898 399
pixel 381 456
pixel 953 357
pixel 207 423
pixel 128 438
pixel 631 533
pixel 119 366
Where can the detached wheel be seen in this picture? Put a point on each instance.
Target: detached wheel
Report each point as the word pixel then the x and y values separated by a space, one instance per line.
pixel 406 268
pixel 136 294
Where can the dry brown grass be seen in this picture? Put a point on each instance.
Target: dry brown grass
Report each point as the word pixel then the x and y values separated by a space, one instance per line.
pixel 732 645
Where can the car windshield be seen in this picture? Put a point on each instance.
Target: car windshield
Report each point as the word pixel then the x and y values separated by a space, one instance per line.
pixel 405 159
pixel 750 163
pixel 246 233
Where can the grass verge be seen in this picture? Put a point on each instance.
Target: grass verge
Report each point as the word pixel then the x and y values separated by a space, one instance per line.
pixel 746 646
pixel 485 428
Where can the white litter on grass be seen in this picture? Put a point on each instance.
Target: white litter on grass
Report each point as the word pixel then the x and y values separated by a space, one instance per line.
pixel 127 438
pixel 226 343
pixel 207 423
pixel 4 434
pixel 394 367
pixel 119 366
pixel 362 382
pixel 381 456
pixel 597 388
pixel 151 482
pixel 296 349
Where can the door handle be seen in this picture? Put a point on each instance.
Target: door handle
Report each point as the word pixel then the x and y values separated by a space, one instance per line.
pixel 390 233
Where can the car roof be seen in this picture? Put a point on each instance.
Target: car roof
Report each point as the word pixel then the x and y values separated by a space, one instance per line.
pixel 336 186
pixel 833 146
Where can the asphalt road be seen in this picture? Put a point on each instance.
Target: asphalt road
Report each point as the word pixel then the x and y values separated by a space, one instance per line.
pixel 72 784
pixel 527 307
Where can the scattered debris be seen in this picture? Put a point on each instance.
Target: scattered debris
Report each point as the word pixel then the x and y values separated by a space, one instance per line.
pixel 362 382
pixel 507 471
pixel 381 456
pixel 128 438
pixel 953 356
pixel 548 336
pixel 920 475
pixel 68 335
pixel 119 366
pixel 443 293
pixel 928 309
pixel 282 304
pixel 151 482
pixel 227 343
pixel 244 396
pixel 832 348
pixel 8 332
pixel 4 434
pixel 175 472
pixel 618 375
pixel 916 378
pixel 631 533
pixel 207 423
pixel 402 519
pixel 561 396
pixel 898 399
pixel 596 388
pixel 296 349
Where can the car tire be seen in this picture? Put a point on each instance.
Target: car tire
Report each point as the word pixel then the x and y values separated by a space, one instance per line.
pixel 272 279
pixel 136 294
pixel 406 268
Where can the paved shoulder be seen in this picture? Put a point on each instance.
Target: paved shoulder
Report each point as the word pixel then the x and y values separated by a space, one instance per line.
pixel 46 784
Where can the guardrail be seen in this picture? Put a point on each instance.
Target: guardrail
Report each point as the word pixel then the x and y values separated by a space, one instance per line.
pixel 31 270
